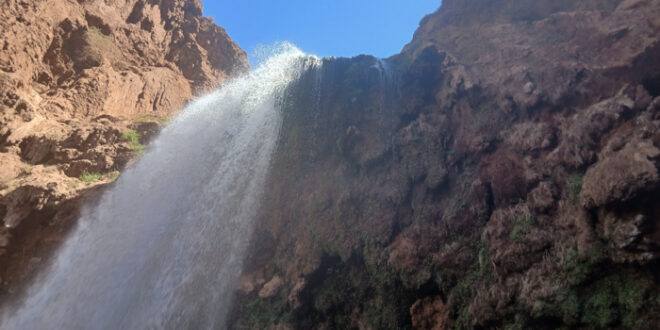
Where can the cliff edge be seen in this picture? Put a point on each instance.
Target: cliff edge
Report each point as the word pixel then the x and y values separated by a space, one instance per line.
pixel 83 86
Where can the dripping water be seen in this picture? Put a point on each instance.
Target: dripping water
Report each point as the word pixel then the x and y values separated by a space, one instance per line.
pixel 387 90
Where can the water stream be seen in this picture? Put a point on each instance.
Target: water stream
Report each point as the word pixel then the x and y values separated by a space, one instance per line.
pixel 164 246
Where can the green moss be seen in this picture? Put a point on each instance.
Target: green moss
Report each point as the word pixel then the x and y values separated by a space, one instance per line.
pixel 565 305
pixel 133 137
pixel 375 259
pixel 617 300
pixel 600 309
pixel 329 296
pixel 463 292
pixel 579 268
pixel 147 117
pixel 260 314
pixel 574 185
pixel 463 319
pixel 521 228
pixel 514 326
pixel 385 309
pixel 614 299
pixel 89 177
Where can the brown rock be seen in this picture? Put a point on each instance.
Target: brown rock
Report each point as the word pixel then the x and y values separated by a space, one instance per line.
pixel 504 172
pixel 430 313
pixel 514 238
pixel 248 283
pixel 294 295
pixel 630 237
pixel 544 197
pixel 580 141
pixel 621 175
pixel 527 137
pixel 499 98
pixel 271 288
pixel 76 75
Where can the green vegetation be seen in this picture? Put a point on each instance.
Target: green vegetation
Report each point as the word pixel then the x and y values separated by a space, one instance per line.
pixel 617 300
pixel 574 185
pixel 261 314
pixel 148 117
pixel 89 177
pixel 94 34
pixel 92 47
pixel 612 300
pixel 133 137
pixel 521 228
pixel 329 296
pixel 464 291
pixel 579 268
pixel 600 309
pixel 514 326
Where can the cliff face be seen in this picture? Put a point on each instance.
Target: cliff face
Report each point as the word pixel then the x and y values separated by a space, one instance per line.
pixel 83 84
pixel 501 172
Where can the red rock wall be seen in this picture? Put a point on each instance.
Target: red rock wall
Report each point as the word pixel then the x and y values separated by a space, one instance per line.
pixel 75 78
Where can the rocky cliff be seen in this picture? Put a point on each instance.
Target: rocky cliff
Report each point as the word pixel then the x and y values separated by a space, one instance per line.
pixel 83 85
pixel 501 172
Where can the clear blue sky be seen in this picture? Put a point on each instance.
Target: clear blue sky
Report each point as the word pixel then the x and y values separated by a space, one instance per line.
pixel 322 27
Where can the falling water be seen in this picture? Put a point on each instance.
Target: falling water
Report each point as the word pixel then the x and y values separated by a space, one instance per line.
pixel 387 92
pixel 164 247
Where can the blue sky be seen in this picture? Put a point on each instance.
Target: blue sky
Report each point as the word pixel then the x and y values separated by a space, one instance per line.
pixel 322 27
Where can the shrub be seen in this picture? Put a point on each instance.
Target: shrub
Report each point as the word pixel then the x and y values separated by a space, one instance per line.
pixel 134 138
pixel 89 177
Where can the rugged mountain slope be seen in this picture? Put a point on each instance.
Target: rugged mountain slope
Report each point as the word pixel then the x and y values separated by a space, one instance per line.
pixel 83 84
pixel 502 173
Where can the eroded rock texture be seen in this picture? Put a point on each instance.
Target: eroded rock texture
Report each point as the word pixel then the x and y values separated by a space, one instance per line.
pixel 83 85
pixel 504 176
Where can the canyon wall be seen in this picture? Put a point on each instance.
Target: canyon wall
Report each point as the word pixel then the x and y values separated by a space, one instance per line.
pixel 83 85
pixel 501 172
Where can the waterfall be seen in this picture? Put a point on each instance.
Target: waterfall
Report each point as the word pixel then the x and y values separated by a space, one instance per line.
pixel 164 246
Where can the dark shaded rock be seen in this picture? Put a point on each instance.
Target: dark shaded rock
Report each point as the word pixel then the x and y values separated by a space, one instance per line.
pixel 430 313
pixel 622 175
pixel 543 198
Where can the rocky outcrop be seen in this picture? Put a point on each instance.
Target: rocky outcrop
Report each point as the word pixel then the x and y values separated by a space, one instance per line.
pixel 430 313
pixel 502 172
pixel 84 85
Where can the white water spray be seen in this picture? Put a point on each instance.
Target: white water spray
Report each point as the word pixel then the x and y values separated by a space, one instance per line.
pixel 164 247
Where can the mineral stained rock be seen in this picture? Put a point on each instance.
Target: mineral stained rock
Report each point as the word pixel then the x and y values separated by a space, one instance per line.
pixel 501 172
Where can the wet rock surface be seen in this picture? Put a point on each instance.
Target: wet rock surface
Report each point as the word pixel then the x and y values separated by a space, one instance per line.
pixel 501 174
